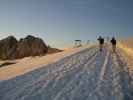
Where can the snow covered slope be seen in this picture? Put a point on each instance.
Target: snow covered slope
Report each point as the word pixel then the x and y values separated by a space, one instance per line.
pixel 86 75
pixel 28 64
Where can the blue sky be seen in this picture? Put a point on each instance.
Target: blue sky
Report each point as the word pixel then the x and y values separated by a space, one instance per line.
pixel 59 22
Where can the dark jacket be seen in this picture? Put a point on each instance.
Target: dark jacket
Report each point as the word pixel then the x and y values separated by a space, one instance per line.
pixel 101 40
pixel 113 41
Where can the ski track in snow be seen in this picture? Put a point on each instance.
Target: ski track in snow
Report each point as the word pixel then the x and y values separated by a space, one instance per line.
pixel 86 75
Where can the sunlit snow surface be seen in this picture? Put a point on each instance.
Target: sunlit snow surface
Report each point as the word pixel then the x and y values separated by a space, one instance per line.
pixel 86 75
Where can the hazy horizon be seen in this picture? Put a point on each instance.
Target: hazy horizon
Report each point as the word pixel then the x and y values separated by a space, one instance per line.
pixel 60 22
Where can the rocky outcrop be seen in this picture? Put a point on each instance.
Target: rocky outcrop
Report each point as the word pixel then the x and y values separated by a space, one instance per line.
pixel 10 48
pixel 31 46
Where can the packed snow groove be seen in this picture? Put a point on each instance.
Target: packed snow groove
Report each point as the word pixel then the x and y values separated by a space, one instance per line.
pixel 86 75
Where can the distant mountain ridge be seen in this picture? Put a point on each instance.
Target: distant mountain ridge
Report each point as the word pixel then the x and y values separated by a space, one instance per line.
pixel 11 48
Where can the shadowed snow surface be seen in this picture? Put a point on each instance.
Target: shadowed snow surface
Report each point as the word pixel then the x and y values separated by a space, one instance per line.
pixel 86 75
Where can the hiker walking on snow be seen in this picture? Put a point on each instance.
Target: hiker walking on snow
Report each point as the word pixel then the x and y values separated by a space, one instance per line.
pixel 113 42
pixel 101 42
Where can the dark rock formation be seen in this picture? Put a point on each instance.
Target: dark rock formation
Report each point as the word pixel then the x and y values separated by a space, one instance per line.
pixel 10 48
pixel 31 46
